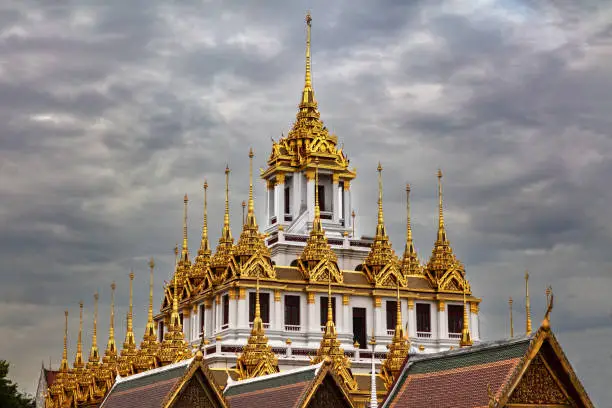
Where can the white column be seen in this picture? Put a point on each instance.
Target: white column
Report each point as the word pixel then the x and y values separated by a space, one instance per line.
pixel 279 320
pixel 474 325
pixel 297 195
pixel 243 310
pixel 412 320
pixel 310 196
pixel 281 197
pixel 335 200
pixel 277 201
pixel 186 325
pixel 267 223
pixel 312 315
pixel 348 220
pixel 379 324
pixel 442 322
pixel 233 309
pixel 346 315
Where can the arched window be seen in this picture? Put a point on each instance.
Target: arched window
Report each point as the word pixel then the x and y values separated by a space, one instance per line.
pixel 359 268
pixel 294 263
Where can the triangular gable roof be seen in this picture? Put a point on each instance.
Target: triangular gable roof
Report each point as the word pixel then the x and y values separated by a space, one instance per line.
pixel 160 387
pixel 292 388
pixel 485 375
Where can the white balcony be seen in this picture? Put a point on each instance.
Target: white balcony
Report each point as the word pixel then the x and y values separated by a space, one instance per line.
pixel 424 335
pixel 265 325
pixel 293 328
pixel 454 335
pixel 390 332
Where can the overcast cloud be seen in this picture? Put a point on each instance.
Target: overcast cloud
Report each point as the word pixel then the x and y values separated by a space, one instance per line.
pixel 110 113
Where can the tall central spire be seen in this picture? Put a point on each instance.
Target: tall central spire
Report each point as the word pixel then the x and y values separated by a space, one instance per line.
pixel 129 342
pixel 308 92
pixel 64 364
pixel 381 253
pixel 78 358
pixel 185 250
pixel 442 257
pixel 225 247
pixel 410 259
pixel 250 241
pixel 111 347
pixel 94 354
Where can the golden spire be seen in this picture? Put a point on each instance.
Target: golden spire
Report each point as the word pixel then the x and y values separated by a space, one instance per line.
pixel 511 318
pixel 381 253
pixel 129 342
pixel 78 358
pixel 250 241
pixel 527 306
pixel 330 347
pixel 202 261
pixel 442 257
pixel 111 348
pixel 225 246
pixel 308 92
pixel 175 319
pixel 150 328
pixel 317 247
pixel 64 364
pixel 185 251
pixel 257 357
pixel 94 354
pixel 466 338
pixel 410 259
pixel 398 349
pixel 149 346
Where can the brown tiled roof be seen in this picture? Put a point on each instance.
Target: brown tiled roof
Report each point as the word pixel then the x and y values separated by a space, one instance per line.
pixel 457 378
pixel 289 273
pixel 355 278
pixel 146 390
pixel 276 390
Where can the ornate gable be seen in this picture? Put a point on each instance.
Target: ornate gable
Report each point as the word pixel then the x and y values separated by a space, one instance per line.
pixel 324 271
pixel 539 386
pixel 258 266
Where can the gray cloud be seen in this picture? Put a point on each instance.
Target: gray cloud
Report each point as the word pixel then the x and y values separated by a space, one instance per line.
pixel 111 113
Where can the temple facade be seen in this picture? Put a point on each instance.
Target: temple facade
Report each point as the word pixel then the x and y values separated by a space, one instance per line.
pixel 307 242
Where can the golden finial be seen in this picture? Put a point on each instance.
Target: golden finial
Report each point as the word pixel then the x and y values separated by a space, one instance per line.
pixel 175 318
pixel 243 209
pixel 440 202
pixel 111 348
pixel 353 223
pixel 150 328
pixel 64 364
pixel 317 211
pixel 94 356
pixel 257 305
pixel 205 243
pixel 185 251
pixel 308 75
pixel 527 305
pixel 227 234
pixel 466 339
pixel 330 313
pixel 78 358
pixel 380 227
pixel 548 292
pixel 510 301
pixel 129 334
pixel 408 226
pixel 251 221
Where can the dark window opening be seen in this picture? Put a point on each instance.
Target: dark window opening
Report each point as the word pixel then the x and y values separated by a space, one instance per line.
pixel 359 268
pixel 321 190
pixel 181 319
pixel 202 312
pixel 294 263
pixel 287 200
pixel 455 318
pixel 225 310
pixel 292 310
pixel 161 331
pixel 324 310
pixel 391 314
pixel 359 326
pixel 264 306
pixel 423 311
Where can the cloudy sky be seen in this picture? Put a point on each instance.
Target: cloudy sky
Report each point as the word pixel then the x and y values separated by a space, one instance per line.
pixel 111 113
